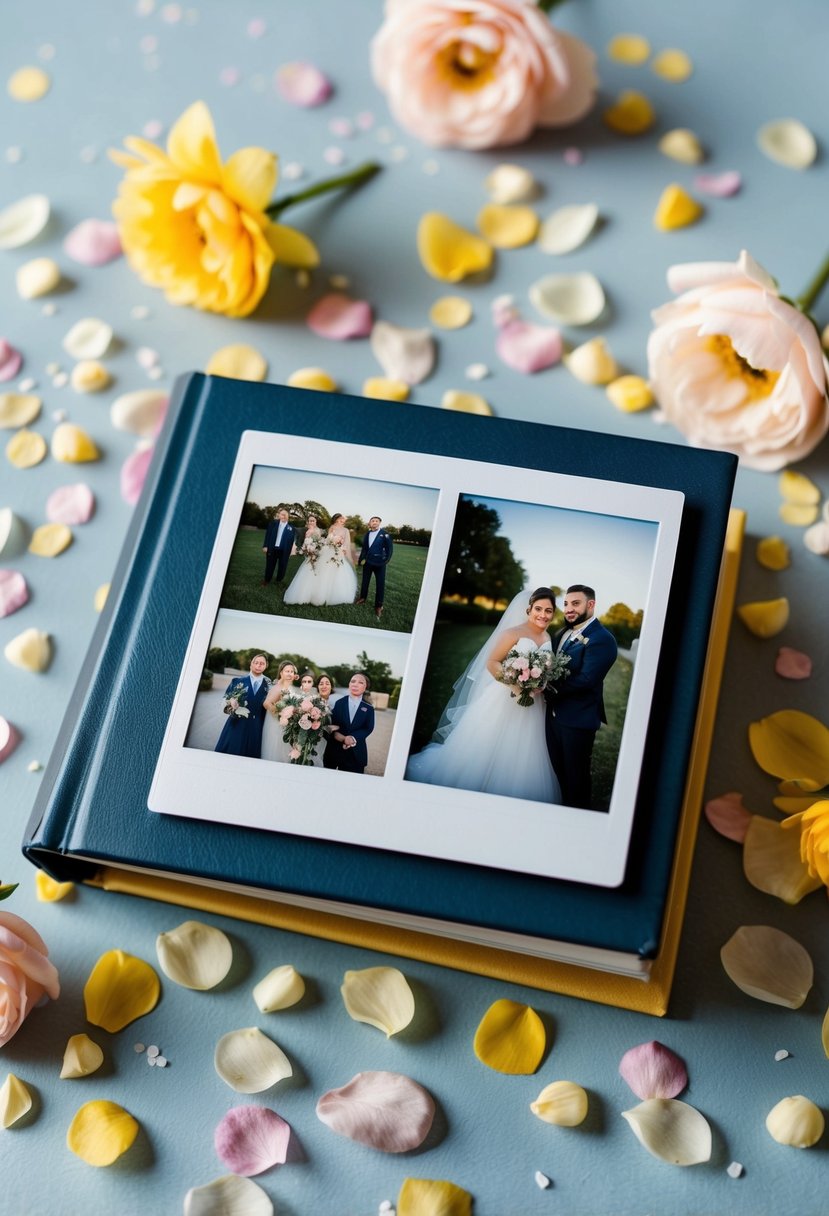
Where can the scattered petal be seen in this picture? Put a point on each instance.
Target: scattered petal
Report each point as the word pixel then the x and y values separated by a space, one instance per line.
pixel 672 65
pixel 380 996
pixel 562 1103
pixel 451 312
pixel 30 650
pixel 772 861
pixel 824 1034
pixel 11 361
pixel 449 252
pixel 794 746
pixel 570 299
pixel 788 142
pixel 227 1196
pixel 672 1131
pixel 15 1100
pixel 433 1197
pixel 28 84
pixel 37 278
pixel 465 403
pixel 134 473
pixel 682 145
pixel 120 989
pixel 88 339
pixel 280 989
pixel 386 390
pixel 93 242
pixel 101 1132
pixel 249 1062
pixel 630 114
pixel 719 185
pixel 508 227
pixel 792 664
pixel 303 84
pixel 572 156
pixel 795 1121
pixel 49 540
pixel 768 964
pixel 676 209
pixel 798 489
pixel 251 1139
pixel 9 739
pixel 26 449
pixel 504 310
pixel 314 378
pixel 568 228
pixel 653 1071
pixel 773 553
pixel 527 347
pixel 632 49
pixel 797 516
pixel 338 317
pixel 90 376
pixel 101 595
pixel 765 618
pixel 238 362
pixel 49 890
pixel 70 504
pixel 510 1038
pixel 816 538
pixel 194 955
pixel 403 354
pixel 18 409
pixel 71 445
pixel 384 1110
pixel 23 221
pixel 592 362
pixel 81 1057
pixel 511 184
pixel 630 394
pixel 728 816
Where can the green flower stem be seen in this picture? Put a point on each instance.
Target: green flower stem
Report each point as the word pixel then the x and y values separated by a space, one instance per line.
pixel 355 178
pixel 547 6
pixel 805 301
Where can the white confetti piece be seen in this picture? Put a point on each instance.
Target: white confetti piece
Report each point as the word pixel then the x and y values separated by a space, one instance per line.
pixel 541 1180
pixel 735 1170
pixel 49 310
pixel 153 1051
pixel 293 171
pixel 139 312
pixel 399 153
pixel 431 167
pixel 477 371
pixel 14 155
pixel 138 1048
pixel 161 1061
pixel 334 156
pixel 781 1055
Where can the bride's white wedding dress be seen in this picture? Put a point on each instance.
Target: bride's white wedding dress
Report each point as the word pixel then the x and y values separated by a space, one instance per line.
pixel 494 745
pixel 330 579
pixel 273 745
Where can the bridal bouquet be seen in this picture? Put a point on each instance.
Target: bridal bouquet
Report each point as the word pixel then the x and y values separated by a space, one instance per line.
pixel 311 549
pixel 531 670
pixel 236 702
pixel 335 550
pixel 302 719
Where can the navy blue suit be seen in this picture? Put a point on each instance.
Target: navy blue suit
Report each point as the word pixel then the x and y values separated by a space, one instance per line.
pixel 350 759
pixel 243 736
pixel 575 710
pixel 276 556
pixel 376 557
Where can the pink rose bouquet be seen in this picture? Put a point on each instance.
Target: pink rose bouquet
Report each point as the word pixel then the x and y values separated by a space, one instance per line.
pixel 25 973
pixel 480 73
pixel 734 365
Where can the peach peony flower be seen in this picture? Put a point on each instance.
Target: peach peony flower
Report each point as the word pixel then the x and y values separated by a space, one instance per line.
pixel 814 838
pixel 25 973
pixel 734 366
pixel 479 73
pixel 199 229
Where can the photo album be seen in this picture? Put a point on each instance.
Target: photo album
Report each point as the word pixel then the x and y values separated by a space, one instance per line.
pixel 407 678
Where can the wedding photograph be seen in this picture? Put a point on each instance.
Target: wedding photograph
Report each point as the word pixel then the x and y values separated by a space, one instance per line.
pixel 326 547
pixel 533 652
pixel 300 693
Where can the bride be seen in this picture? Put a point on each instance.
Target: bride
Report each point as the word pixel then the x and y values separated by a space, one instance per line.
pixel 327 574
pixel 485 741
pixel 273 745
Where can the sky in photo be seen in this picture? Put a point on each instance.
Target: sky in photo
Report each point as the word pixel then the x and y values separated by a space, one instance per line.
pixel 395 504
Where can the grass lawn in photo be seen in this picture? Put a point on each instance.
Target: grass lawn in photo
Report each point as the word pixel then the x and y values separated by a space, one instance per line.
pixel 243 590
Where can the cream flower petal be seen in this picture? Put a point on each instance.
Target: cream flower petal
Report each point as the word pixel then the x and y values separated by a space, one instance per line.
pixel 562 1103
pixel 313 378
pixel 251 1139
pixel 227 1196
pixel 280 989
pixel 510 1038
pixel 13 533
pixel 798 489
pixel 765 618
pixel 592 362
pixel 672 65
pixel 338 317
pixel 18 409
pixel 89 376
pixel 191 145
pixel 194 955
pixel 30 650
pixel 653 1071
pixel 403 354
pixel 824 1034
pixel 568 228
pixel 15 1100
pixel 81 1057
pixel 37 278
pixel 249 177
pixel 380 996
pixel 797 516
pixel 101 1132
pixel 682 145
pixel 796 1121
pixel 672 1131
pixel 451 312
pixel 511 184
pixel 816 538
pixel 529 348
pixel 139 412
pixel 792 745
pixel 26 449
pixel 384 1110
pixel 71 445
pixel 449 252
pixel 383 389
pixel 465 403
pixel 238 362
pixel 120 989
pixel 249 1062
pixel 88 339
pixel 23 221
pixel 789 142
pixel 768 964
pixel 728 816
pixel 772 862
pixel 432 1197
pixel 570 299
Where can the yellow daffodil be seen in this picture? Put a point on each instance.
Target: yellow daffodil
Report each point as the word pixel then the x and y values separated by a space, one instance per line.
pixel 814 838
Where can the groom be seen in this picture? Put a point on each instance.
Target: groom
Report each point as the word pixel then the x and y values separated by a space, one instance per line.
pixel 575 706
pixel 278 543
pixel 375 555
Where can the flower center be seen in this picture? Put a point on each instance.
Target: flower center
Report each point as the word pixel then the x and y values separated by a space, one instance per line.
pixel 467 66
pixel 758 382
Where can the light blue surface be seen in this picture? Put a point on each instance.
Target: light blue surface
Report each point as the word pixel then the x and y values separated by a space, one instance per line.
pixel 751 64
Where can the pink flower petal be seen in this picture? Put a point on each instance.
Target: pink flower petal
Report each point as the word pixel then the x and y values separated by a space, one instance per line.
pixel 134 474
pixel 303 84
pixel 527 347
pixel 251 1139
pixel 719 185
pixel 384 1110
pixel 93 243
pixel 9 739
pixel 14 591
pixel 793 664
pixel 337 316
pixel 11 360
pixel 70 505
pixel 728 816
pixel 653 1071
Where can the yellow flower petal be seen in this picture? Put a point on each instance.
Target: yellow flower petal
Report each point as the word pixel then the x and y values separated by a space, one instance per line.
pixel 562 1103
pixel 90 376
pixel 765 618
pixel 773 553
pixel 26 449
pixel 511 184
pixel 673 65
pixel 451 312
pixel 769 965
pixel 48 890
pixel 592 362
pixel 824 1034
pixel 101 1132
pixel 30 650
pixel 510 1038
pixel 793 804
pixel 194 955
pixel 120 989
pixel 464 402
pixel 81 1057
pixel 792 745
pixel 50 539
pixel 508 227
pixel 15 1100
pixel 432 1197
pixel 813 828
pixel 682 145
pixel 191 145
pixel 292 248
pixel 237 362
pixel 632 49
pixel 676 209
pixel 630 394
pixel 71 445
pixel 379 996
pixel 18 409
pixel 313 377
pixel 772 861
pixel 449 252
pixel 28 84
pixel 799 516
pixel 386 390
pixel 796 1121
pixel 630 114
pixel 249 177
pixel 101 597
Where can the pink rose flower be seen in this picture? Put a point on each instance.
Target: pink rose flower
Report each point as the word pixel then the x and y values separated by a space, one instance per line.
pixel 316 725
pixel 733 366
pixel 295 753
pixel 306 705
pixel 305 722
pixel 25 973
pixel 479 73
pixel 535 672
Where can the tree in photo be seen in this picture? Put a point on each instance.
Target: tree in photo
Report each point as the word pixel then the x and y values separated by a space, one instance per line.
pixel 480 562
pixel 623 623
pixel 379 674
